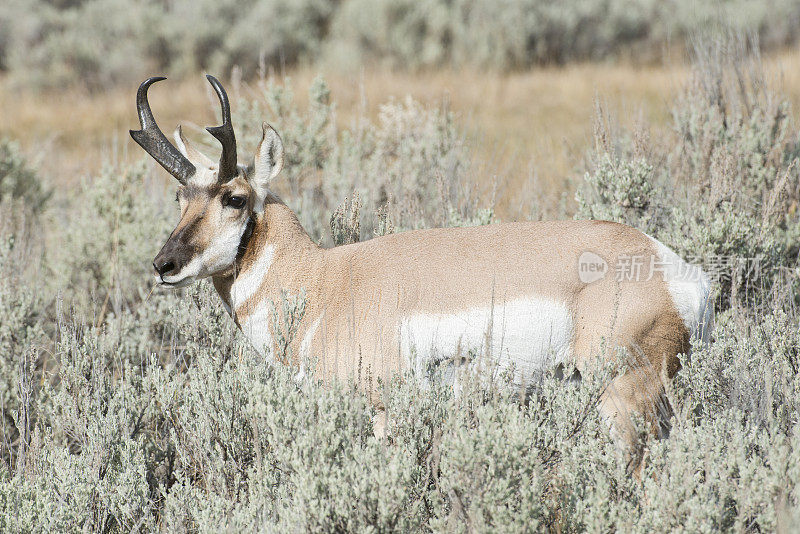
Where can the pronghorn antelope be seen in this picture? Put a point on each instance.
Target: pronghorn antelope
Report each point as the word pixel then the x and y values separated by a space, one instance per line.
pixel 530 296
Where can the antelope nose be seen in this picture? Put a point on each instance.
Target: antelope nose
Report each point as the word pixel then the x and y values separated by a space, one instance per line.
pixel 171 259
pixel 164 267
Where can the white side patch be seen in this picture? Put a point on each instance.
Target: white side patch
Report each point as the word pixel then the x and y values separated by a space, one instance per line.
pixel 308 338
pixel 248 282
pixel 305 348
pixel 530 334
pixel 690 289
pixel 256 329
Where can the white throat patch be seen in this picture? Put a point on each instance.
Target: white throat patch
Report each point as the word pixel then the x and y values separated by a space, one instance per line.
pixel 247 283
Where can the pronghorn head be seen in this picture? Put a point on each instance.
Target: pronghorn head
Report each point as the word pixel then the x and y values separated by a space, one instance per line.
pixel 218 201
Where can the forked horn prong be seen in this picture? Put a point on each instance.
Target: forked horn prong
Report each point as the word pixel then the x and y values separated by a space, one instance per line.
pixel 224 134
pixel 153 140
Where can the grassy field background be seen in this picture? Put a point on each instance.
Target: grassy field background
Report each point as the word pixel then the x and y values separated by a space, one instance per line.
pixel 529 131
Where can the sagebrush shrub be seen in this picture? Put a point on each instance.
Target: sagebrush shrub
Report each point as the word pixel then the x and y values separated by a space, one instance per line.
pixel 95 43
pixel 216 35
pixel 18 180
pixel 409 169
pixel 21 341
pixel 723 196
pixel 89 43
pixel 103 258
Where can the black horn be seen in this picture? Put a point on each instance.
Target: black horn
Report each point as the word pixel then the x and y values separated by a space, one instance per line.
pixel 224 134
pixel 153 141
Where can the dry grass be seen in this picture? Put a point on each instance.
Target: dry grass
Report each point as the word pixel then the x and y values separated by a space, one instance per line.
pixel 530 130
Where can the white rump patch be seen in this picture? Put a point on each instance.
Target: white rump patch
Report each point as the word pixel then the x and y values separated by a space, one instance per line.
pixel 690 289
pixel 529 335
pixel 248 282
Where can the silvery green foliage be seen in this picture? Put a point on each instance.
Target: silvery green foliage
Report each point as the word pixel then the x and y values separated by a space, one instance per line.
pixel 744 417
pixel 21 333
pixel 94 42
pixel 346 221
pixel 405 33
pixel 18 180
pixel 207 436
pixel 503 35
pixel 753 369
pixel 104 257
pixel 412 158
pixel 619 191
pixel 88 42
pixel 286 317
pixel 216 35
pixel 509 35
pixel 411 165
pixel 723 190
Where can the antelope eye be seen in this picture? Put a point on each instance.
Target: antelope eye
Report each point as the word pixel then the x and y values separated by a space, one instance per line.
pixel 236 202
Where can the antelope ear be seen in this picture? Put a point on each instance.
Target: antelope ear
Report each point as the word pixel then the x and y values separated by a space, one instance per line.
pixel 191 153
pixel 268 161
